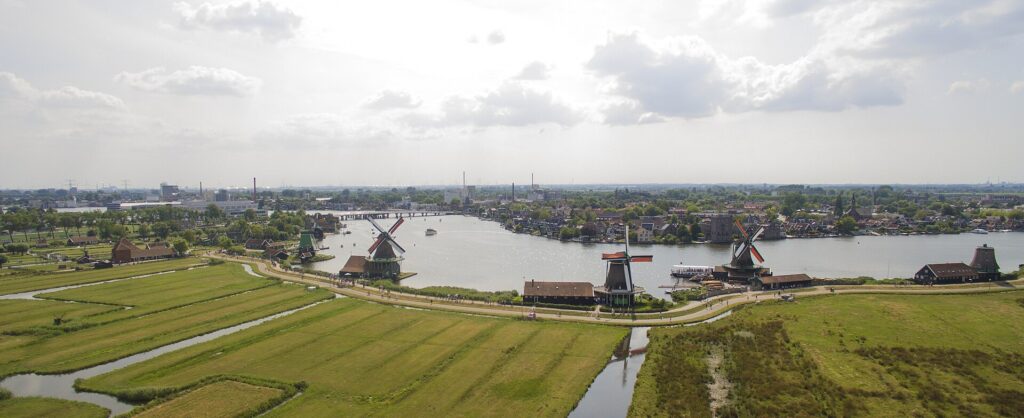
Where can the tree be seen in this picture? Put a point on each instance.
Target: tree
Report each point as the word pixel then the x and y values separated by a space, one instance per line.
pixel 144 230
pixel 838 209
pixel 224 242
pixel 180 247
pixel 189 236
pixel 249 215
pixel 846 225
pixel 213 212
pixel 3 259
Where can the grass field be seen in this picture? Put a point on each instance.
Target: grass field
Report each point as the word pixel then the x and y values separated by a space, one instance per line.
pixel 224 399
pixel 17 283
pixel 362 359
pixel 49 407
pixel 163 291
pixel 856 355
pixel 168 308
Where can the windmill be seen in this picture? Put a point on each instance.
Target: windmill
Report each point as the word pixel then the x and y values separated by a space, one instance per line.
pixel 744 252
pixel 385 253
pixel 618 284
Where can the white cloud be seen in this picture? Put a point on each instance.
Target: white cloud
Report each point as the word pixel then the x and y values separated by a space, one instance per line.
pixel 509 105
pixel 629 113
pixel 14 89
pixel 1017 87
pixel 195 80
pixel 686 77
pixel 496 37
pixel 270 21
pixel 968 86
pixel 534 71
pixel 389 99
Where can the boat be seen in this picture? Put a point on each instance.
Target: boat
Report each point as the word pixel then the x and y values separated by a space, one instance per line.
pixel 686 272
pixel 979 231
pixel 431 231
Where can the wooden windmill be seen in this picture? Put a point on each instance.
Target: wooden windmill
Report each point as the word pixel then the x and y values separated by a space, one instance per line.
pixel 618 284
pixel 385 254
pixel 744 253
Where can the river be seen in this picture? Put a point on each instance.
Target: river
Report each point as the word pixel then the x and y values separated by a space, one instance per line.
pixel 469 252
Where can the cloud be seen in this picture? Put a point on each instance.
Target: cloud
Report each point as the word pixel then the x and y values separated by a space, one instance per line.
pixel 534 71
pixel 15 89
pixel 272 22
pixel 686 77
pixel 1017 87
pixel 968 86
pixel 389 99
pixel 496 37
pixel 509 105
pixel 195 80
pixel 629 113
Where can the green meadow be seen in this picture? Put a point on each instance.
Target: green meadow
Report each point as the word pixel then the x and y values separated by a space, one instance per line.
pixel 25 282
pixel 355 358
pixel 164 309
pixel 854 355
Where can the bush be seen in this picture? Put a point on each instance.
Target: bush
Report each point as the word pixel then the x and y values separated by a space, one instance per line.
pixel 236 250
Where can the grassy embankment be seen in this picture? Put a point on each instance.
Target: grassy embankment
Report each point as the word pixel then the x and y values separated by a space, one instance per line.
pixel 364 359
pixel 857 355
pixel 183 313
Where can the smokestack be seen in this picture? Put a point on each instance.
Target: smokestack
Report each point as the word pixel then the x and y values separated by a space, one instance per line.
pixel 200 190
pixel 513 192
pixel 463 180
pixel 254 189
pixel 532 184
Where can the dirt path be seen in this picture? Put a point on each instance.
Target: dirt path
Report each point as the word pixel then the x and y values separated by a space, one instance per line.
pixel 715 306
pixel 718 389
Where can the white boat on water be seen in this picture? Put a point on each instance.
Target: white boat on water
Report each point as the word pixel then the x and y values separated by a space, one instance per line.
pixel 687 272
pixel 979 231
pixel 431 231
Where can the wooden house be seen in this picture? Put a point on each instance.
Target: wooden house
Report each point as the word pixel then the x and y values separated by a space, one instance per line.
pixel 563 293
pixel 946 273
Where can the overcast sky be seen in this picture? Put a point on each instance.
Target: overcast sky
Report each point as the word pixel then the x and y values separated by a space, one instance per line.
pixel 411 93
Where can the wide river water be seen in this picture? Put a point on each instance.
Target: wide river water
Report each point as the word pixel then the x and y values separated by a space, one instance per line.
pixel 469 252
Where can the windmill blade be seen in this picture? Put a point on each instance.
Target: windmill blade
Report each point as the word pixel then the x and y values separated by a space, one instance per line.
pixel 613 256
pixel 396 246
pixel 757 234
pixel 739 249
pixel 376 225
pixel 741 228
pixel 641 259
pixel 395 226
pixel 380 239
pixel 757 254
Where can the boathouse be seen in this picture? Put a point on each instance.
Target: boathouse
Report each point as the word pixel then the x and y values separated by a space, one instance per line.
pixel 946 273
pixel 785 281
pixel 562 293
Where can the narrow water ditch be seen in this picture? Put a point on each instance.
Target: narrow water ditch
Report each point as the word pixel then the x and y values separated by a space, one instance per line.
pixel 611 392
pixel 62 385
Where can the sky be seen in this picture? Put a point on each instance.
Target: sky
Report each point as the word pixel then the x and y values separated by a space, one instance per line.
pixel 395 93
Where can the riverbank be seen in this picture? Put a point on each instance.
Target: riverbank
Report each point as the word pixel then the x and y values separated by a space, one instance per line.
pixel 687 313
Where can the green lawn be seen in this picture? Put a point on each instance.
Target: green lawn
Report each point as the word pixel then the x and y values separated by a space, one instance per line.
pixel 224 399
pixel 364 359
pixel 858 355
pixel 49 407
pixel 18 283
pixel 167 308
pixel 163 291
